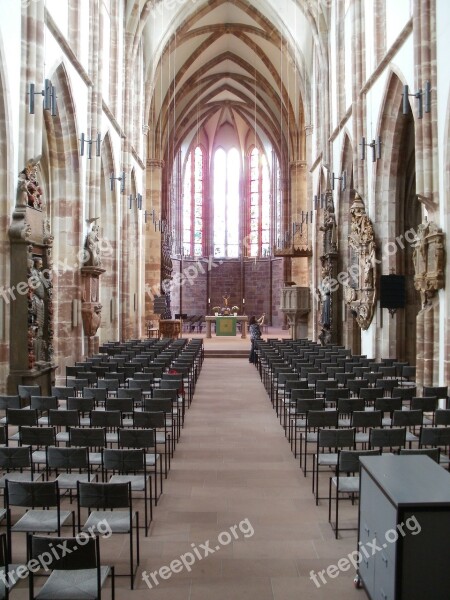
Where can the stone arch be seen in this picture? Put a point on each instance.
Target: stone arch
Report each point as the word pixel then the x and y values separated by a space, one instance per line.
pixel 7 187
pixel 396 212
pixel 348 330
pixel 59 175
pixel 109 219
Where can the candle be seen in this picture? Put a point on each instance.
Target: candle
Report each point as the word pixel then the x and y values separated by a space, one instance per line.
pixel 209 300
pixel 243 300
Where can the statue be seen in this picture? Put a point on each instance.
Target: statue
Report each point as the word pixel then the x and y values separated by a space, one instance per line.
pixel 92 245
pixel 38 295
pixel 92 316
pixel 329 228
pixel 29 187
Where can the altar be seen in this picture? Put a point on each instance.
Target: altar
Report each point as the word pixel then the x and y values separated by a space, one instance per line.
pixel 226 325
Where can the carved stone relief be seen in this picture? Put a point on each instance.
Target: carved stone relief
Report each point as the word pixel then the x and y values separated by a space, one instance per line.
pixel 429 261
pixel 360 295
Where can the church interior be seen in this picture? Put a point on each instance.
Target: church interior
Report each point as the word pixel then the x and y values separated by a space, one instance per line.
pixel 170 169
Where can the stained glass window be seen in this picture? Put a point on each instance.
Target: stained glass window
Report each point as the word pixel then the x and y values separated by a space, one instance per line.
pixel 226 202
pixel 259 205
pixel 193 193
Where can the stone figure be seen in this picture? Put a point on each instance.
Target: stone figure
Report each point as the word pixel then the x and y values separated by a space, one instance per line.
pixel 92 316
pixel 329 228
pixel 37 308
pixel 29 188
pixel 92 245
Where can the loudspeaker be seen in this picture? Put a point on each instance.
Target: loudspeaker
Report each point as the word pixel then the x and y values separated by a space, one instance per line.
pixel 392 291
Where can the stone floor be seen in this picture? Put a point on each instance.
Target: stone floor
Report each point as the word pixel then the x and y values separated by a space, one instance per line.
pixel 235 488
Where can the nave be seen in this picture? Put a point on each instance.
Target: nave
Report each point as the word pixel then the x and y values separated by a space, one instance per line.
pixel 233 464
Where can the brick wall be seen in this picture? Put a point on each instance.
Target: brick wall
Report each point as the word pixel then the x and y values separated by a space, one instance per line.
pixel 259 282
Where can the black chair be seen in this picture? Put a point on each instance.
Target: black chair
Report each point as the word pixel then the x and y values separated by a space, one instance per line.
pixel 74 575
pixel 346 483
pixel 145 439
pixel 110 503
pixel 43 501
pixel 129 465
pixel 6 582
pixel 70 465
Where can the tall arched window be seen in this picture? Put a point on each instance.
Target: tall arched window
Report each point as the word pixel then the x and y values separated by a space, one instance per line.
pixel 193 193
pixel 259 205
pixel 226 202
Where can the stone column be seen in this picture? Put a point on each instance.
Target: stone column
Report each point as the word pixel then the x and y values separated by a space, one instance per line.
pixel 298 186
pixel 154 173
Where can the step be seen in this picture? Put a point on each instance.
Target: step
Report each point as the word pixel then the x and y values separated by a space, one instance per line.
pixel 227 354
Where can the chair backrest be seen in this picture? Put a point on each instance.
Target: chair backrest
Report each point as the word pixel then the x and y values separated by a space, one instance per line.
pixel 407 418
pixel 427 404
pixel 164 393
pixel 137 438
pixel 299 394
pixel 36 494
pixel 66 458
pixel 336 438
pixel 135 394
pixel 348 460
pixel 92 437
pixel 26 391
pixel 349 405
pixel 124 405
pixel 103 495
pixel 442 417
pixel 332 395
pixel 10 402
pixel 149 420
pixel 88 558
pixel 388 404
pixel 14 458
pixel 164 405
pixel 433 453
pixel 98 394
pixel 434 436
pixel 37 436
pixel 106 418
pixel 406 393
pixel 124 460
pixel 317 419
pixel 440 392
pixel 369 393
pixel 387 438
pixel 63 392
pixel 43 403
pixel 304 405
pixel 83 405
pixel 63 418
pixel 21 416
pixel 141 384
pixel 108 384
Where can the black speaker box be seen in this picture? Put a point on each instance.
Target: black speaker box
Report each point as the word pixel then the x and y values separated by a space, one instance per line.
pixel 392 291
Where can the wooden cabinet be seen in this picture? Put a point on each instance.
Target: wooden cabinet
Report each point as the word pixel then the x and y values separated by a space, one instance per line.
pixel 404 528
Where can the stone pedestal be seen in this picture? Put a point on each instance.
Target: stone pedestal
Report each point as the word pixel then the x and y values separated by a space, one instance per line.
pixel 91 307
pixel 296 304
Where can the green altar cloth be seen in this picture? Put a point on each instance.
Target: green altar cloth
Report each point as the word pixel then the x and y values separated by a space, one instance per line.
pixel 225 326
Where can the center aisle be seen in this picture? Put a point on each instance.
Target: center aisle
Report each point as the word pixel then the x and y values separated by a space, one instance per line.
pixel 236 494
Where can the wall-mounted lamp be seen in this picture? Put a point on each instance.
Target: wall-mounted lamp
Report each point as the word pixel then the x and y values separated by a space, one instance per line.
pixel 420 95
pixel 319 202
pixel 49 93
pixel 376 148
pixel 98 142
pixel 121 179
pixel 342 179
pixel 138 200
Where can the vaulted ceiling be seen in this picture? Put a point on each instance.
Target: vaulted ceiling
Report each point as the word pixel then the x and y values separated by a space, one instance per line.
pixel 247 64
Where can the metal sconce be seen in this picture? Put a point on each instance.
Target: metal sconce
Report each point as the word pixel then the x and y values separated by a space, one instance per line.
pixel 98 142
pixel 159 224
pixel 376 148
pixel 121 179
pixel 420 97
pixel 320 202
pixel 342 179
pixel 49 93
pixel 138 200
